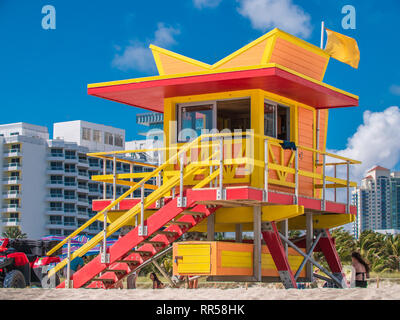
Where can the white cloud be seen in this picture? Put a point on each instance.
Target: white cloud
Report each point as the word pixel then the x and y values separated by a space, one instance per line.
pixel 164 36
pixel 395 89
pixel 199 4
pixel 138 56
pixel 283 14
pixel 376 142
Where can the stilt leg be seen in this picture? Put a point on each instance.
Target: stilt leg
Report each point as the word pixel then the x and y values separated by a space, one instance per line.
pixel 211 227
pixel 257 243
pixel 239 233
pixel 277 250
pixel 328 248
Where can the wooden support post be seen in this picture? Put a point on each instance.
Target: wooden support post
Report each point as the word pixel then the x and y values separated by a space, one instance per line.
pixel 238 233
pixel 257 243
pixel 162 271
pixel 211 227
pixel 309 243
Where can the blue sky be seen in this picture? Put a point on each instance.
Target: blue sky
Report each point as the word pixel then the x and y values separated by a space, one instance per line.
pixel 44 73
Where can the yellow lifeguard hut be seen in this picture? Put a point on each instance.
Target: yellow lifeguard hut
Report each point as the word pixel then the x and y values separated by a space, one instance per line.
pixel 244 151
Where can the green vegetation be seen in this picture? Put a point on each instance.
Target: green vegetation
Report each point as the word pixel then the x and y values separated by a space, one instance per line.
pixel 382 252
pixel 14 233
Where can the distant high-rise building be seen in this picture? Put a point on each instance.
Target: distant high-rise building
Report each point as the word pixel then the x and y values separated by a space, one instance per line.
pixel 378 202
pixel 154 138
pixel 46 188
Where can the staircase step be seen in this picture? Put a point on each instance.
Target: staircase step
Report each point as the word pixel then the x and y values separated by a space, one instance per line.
pixel 142 253
pixel 115 270
pixel 154 243
pixel 103 280
pixel 128 261
pixel 180 223
pixel 193 213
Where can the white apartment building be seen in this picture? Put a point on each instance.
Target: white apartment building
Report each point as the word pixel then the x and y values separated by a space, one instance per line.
pixel 46 187
pixel 95 137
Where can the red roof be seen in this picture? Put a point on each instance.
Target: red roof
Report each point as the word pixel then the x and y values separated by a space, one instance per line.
pixel 378 168
pixel 150 94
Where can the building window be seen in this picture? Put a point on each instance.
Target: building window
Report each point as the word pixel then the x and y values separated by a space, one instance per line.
pixel 192 120
pixel 118 140
pixel 70 154
pixel 69 207
pixel 86 134
pixel 276 121
pixel 96 135
pixel 14 134
pixel 108 138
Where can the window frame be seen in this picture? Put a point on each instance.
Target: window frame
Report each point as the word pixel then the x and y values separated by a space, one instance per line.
pixel 89 132
pixel 180 106
pixel 289 118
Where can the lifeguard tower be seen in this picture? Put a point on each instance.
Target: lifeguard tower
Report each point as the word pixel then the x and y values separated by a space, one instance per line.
pixel 244 151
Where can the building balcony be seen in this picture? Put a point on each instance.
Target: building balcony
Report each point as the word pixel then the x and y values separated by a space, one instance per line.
pixel 71 159
pixel 55 157
pixel 70 198
pixel 55 211
pixel 10 222
pixel 55 198
pixel 55 224
pixel 55 170
pixel 70 185
pixel 82 189
pixel 82 202
pixel 70 212
pixel 83 176
pixel 13 153
pixel 82 215
pixel 94 166
pixel 12 180
pixel 55 184
pixel 11 194
pixel 70 225
pixel 71 172
pixel 83 163
pixel 11 208
pixel 94 192
pixel 12 167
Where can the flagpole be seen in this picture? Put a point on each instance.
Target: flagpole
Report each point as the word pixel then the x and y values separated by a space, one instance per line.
pixel 322 34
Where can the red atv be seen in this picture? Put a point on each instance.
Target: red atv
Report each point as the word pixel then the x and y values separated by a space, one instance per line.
pixel 22 263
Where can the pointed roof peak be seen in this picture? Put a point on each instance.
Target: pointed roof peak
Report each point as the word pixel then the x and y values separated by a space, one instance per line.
pixel 377 167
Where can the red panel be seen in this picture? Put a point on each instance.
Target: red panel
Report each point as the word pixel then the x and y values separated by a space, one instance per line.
pixel 277 251
pixel 150 94
pixel 280 198
pixel 308 203
pixel 328 248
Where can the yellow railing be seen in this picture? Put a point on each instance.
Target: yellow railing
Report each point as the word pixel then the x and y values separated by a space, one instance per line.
pixel 139 208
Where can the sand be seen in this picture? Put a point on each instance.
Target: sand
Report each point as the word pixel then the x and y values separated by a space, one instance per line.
pixel 386 291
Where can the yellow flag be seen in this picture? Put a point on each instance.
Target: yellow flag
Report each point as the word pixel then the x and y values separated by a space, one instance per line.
pixel 342 48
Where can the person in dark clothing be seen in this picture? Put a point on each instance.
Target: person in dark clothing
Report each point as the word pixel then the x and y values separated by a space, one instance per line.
pixel 361 270
pixel 157 284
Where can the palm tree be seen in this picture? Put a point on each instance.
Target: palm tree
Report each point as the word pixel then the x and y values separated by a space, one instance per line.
pixel 14 233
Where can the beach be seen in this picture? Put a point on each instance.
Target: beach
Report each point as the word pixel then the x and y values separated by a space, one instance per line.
pixel 386 291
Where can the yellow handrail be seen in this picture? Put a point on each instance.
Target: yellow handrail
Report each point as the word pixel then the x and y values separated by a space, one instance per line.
pixel 121 221
pixel 117 201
